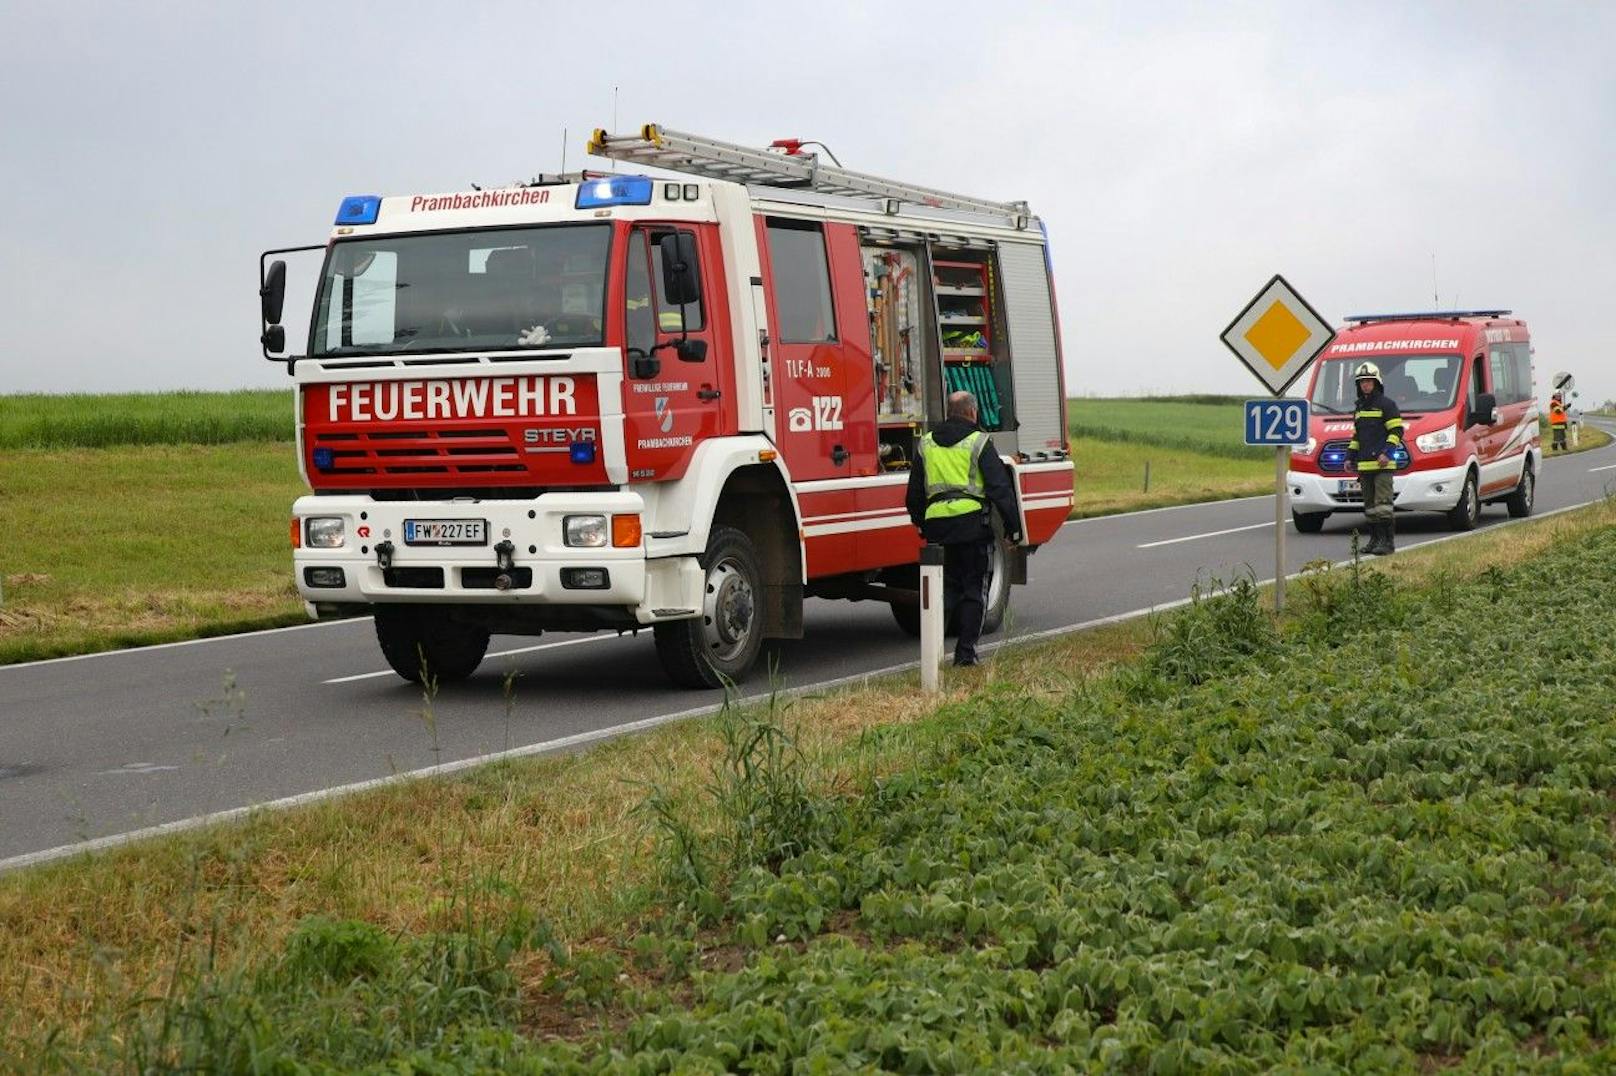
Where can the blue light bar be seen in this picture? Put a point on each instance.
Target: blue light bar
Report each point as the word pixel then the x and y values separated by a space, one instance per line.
pixel 1399 456
pixel 359 209
pixel 323 459
pixel 1333 459
pixel 583 452
pixel 614 190
pixel 1430 315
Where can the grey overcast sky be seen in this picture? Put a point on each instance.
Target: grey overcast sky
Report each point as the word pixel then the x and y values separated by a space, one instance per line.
pixel 1179 152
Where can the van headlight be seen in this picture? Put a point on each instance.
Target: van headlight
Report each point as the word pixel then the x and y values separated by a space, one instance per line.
pixel 588 532
pixel 1307 449
pixel 1437 440
pixel 325 532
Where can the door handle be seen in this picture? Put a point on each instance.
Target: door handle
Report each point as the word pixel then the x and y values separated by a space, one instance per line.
pixel 705 393
pixel 838 455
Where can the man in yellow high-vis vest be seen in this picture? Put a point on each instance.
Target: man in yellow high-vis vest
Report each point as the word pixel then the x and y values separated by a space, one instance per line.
pixel 954 485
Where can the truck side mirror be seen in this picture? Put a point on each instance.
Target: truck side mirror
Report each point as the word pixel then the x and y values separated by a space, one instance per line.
pixel 681 282
pixel 272 293
pixel 1486 411
pixel 273 339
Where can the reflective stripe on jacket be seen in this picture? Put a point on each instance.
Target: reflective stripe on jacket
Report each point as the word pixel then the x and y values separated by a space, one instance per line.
pixel 1557 414
pixel 954 485
pixel 1377 426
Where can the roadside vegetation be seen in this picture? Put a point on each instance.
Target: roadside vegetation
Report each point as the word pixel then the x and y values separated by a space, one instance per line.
pixel 1377 833
pixel 1133 453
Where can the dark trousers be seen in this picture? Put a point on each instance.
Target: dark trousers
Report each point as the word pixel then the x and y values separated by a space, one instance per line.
pixel 1559 437
pixel 1377 495
pixel 965 592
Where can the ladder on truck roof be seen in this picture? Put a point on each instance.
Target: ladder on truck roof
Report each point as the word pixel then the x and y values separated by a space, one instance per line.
pixel 676 151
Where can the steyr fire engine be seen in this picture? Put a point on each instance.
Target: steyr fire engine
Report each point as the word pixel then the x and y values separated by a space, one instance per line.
pixel 686 400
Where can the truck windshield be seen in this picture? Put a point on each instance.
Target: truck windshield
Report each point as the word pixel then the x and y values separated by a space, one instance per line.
pixel 511 288
pixel 1413 382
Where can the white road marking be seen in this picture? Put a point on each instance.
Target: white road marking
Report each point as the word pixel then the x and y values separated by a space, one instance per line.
pixel 1607 467
pixel 1208 534
pixel 182 642
pixel 137 767
pixel 494 654
pixel 182 825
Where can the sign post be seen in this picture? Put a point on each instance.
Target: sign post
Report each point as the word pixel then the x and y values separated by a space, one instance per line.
pixel 1276 336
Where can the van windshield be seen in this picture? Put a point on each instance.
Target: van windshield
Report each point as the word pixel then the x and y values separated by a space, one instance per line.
pixel 506 288
pixel 1413 382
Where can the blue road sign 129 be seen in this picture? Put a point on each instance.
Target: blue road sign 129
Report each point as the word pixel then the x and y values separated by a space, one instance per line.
pixel 1276 422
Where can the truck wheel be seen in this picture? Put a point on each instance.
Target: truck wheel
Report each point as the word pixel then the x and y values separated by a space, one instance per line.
pixel 1309 522
pixel 411 636
pixel 998 602
pixel 1519 503
pixel 908 617
pixel 722 643
pixel 1464 515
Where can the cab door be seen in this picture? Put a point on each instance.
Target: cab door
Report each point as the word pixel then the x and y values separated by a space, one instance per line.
pixel 687 399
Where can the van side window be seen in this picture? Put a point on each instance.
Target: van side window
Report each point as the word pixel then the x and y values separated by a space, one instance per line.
pixel 801 282
pixel 1523 370
pixel 1503 367
pixel 1478 371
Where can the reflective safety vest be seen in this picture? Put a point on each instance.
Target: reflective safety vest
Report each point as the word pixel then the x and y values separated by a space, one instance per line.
pixel 1557 414
pixel 954 484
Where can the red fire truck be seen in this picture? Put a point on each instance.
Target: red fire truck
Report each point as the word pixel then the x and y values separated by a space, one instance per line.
pixel 1463 381
pixel 685 400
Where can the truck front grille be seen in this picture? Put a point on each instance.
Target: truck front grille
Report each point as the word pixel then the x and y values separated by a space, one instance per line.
pixel 425 452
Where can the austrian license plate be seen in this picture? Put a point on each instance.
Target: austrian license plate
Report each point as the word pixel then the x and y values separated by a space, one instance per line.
pixel 446 532
pixel 1348 487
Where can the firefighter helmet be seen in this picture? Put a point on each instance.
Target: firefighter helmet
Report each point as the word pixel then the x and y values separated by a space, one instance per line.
pixel 1367 369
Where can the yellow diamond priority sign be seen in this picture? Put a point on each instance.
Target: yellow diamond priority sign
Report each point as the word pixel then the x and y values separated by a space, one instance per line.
pixel 1277 335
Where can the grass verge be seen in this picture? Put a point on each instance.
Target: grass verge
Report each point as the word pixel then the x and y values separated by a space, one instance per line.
pixel 1110 476
pixel 145 418
pixel 142 544
pixel 1370 834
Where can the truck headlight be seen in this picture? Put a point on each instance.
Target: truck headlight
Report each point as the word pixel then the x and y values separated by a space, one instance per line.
pixel 325 532
pixel 589 532
pixel 1437 440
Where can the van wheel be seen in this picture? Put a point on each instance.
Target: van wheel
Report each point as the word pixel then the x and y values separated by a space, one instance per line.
pixel 1519 503
pixel 1309 522
pixel 722 643
pixel 1464 515
pixel 416 640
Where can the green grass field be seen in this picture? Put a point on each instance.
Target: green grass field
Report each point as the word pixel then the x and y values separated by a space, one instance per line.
pixel 112 547
pixel 155 418
pixel 1209 425
pixel 1214 842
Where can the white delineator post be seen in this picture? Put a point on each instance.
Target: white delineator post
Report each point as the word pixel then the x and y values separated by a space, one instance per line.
pixel 931 617
pixel 1282 464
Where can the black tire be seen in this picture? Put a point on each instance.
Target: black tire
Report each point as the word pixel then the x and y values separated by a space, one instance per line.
pixel 723 643
pixel 1467 513
pixel 907 614
pixel 1309 522
pixel 412 636
pixel 1521 501
pixel 998 603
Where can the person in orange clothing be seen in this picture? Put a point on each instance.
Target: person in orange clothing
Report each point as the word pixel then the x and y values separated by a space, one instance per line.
pixel 1557 421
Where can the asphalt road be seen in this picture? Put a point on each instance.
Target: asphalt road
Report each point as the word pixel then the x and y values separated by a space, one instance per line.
pixel 107 744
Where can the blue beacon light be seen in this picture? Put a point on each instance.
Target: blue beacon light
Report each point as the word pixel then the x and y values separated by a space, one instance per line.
pixel 359 209
pixel 324 458
pixel 614 190
pixel 582 452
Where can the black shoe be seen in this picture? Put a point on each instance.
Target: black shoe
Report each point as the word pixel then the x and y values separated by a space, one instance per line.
pixel 1377 543
pixel 1388 545
pixel 968 661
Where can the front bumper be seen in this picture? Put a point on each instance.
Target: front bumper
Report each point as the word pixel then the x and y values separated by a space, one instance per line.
pixel 1419 490
pixel 464 574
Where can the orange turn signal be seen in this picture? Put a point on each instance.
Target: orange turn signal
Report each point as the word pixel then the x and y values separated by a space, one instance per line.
pixel 766 455
pixel 626 531
pixel 297 533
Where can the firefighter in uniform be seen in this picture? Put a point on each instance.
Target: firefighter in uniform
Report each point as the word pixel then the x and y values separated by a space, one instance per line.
pixel 1557 422
pixel 954 485
pixel 1377 429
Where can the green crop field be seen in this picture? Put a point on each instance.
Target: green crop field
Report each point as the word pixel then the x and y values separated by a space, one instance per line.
pixel 149 418
pixel 1210 425
pixel 1375 835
